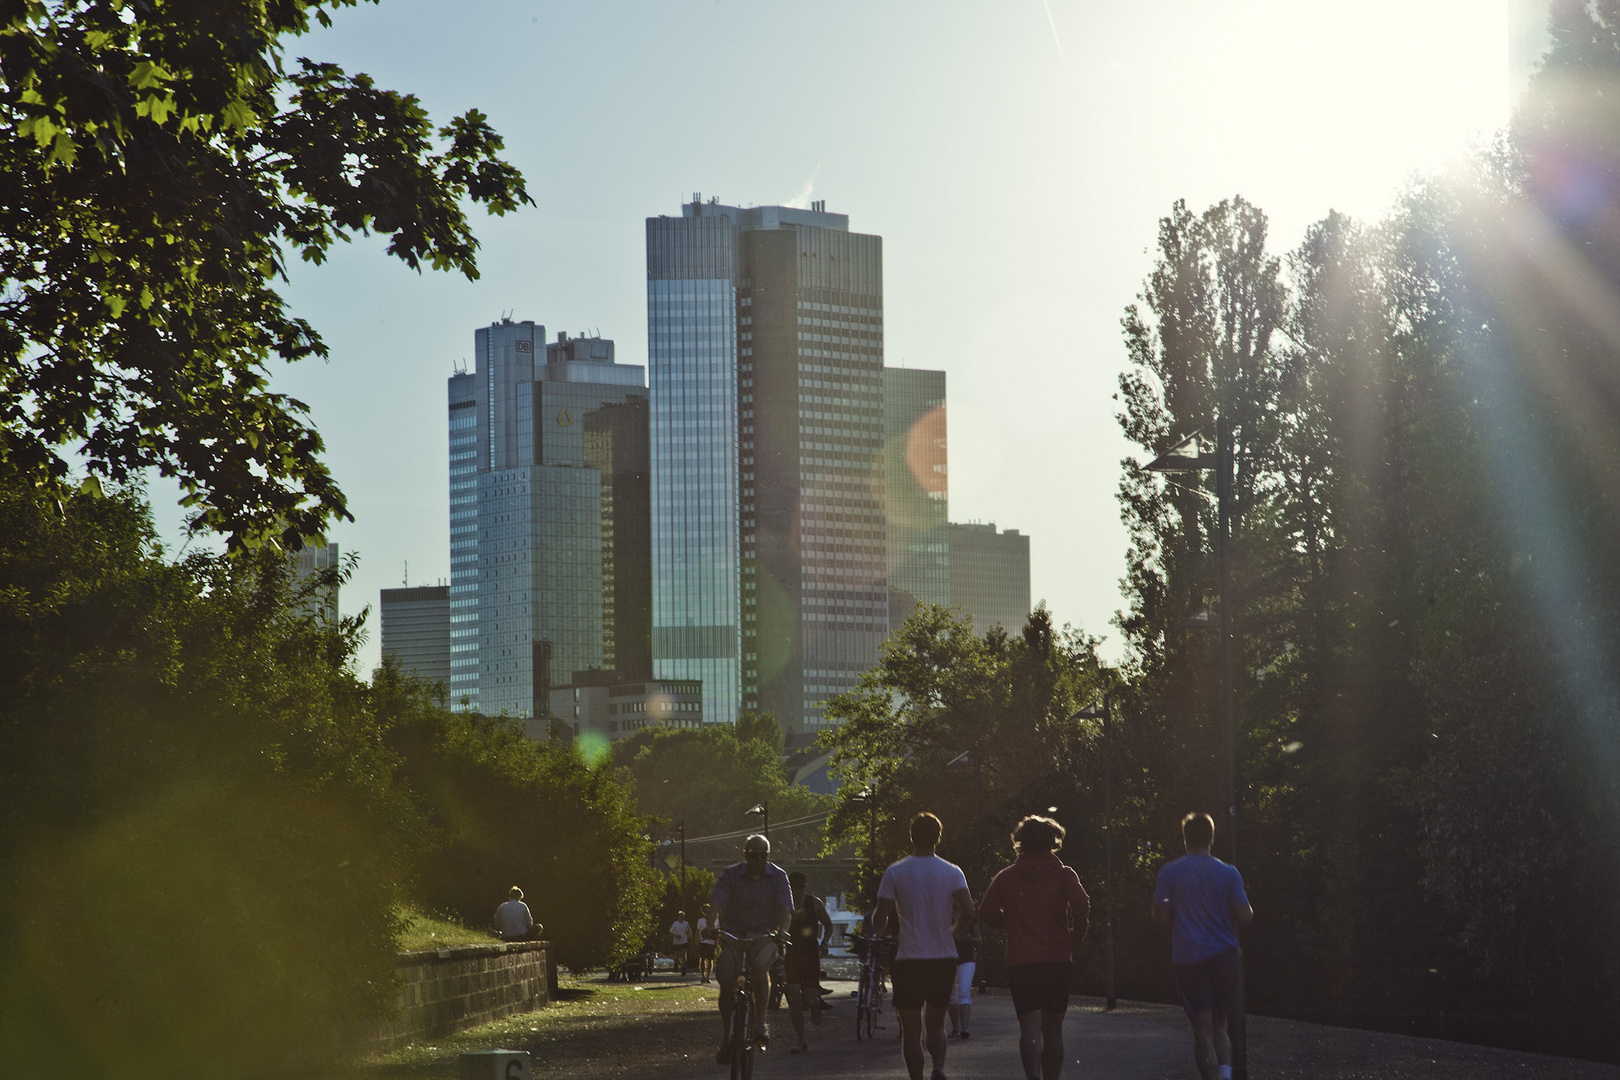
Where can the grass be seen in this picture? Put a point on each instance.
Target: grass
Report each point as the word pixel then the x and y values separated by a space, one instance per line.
pixel 424 931
pixel 593 1029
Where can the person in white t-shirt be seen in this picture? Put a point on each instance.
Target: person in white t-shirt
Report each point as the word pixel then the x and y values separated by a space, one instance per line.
pixel 707 933
pixel 928 897
pixel 680 932
pixel 512 919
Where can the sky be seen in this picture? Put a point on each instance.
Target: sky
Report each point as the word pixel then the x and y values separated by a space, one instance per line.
pixel 1015 156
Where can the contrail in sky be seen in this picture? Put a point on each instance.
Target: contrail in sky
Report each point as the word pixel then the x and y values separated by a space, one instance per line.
pixel 1053 24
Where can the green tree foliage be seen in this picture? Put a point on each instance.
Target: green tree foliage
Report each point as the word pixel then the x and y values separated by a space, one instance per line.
pixel 505 810
pixel 199 842
pixel 156 162
pixel 1429 709
pixel 712 776
pixel 939 691
pixel 209 820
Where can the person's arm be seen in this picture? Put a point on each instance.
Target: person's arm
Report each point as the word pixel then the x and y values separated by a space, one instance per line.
pixel 826 922
pixel 964 907
pixel 1079 914
pixel 990 908
pixel 1243 913
pixel 881 915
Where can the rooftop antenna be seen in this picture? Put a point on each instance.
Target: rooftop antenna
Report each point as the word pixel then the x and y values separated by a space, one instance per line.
pixel 407 582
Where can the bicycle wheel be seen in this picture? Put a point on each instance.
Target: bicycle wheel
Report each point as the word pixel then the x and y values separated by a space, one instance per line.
pixel 742 1066
pixel 872 1006
pixel 863 1003
pixel 748 1047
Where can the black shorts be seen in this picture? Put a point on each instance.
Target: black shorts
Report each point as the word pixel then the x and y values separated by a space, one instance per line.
pixel 705 950
pixel 802 966
pixel 1043 986
pixel 919 981
pixel 1213 985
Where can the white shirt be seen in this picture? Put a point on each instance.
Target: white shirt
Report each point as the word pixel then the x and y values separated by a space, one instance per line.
pixel 678 930
pixel 921 887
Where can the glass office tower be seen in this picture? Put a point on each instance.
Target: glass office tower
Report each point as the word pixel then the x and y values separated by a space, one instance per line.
pixel 990 575
pixel 917 489
pixel 554 481
pixel 692 383
pixel 766 346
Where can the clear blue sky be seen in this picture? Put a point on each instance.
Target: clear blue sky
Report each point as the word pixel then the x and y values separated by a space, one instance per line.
pixel 1015 156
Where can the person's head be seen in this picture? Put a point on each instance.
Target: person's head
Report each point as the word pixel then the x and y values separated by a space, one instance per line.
pixel 679 915
pixel 1197 831
pixel 707 908
pixel 1036 834
pixel 515 893
pixel 926 829
pixel 756 852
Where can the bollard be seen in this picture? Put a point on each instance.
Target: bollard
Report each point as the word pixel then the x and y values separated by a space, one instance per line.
pixel 495 1065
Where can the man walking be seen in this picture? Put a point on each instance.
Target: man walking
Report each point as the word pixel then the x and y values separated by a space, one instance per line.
pixel 1040 903
pixel 929 896
pixel 680 932
pixel 753 901
pixel 1203 900
pixel 808 935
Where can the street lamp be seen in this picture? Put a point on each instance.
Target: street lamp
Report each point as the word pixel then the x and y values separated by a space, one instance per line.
pixel 1188 456
pixel 1102 712
pixel 964 759
pixel 764 810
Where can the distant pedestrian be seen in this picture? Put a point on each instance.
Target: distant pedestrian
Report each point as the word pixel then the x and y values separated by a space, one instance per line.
pixel 680 936
pixel 1203 900
pixel 929 898
pixel 707 936
pixel 968 939
pixel 1040 903
pixel 513 921
pixel 809 930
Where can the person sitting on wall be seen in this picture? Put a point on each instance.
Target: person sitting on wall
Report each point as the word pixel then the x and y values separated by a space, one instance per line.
pixel 513 920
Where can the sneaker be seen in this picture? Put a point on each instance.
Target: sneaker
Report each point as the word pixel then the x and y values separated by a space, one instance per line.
pixel 939 1074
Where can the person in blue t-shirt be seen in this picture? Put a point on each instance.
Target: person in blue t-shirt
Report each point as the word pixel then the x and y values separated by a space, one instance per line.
pixel 1203 900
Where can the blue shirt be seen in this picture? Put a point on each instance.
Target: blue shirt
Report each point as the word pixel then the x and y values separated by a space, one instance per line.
pixel 751 903
pixel 1200 890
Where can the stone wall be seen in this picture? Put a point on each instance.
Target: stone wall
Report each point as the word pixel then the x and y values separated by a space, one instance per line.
pixel 450 990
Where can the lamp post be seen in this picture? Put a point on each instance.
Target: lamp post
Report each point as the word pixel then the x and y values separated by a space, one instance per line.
pixel 764 810
pixel 1178 459
pixel 1096 712
pixel 1187 456
pixel 964 759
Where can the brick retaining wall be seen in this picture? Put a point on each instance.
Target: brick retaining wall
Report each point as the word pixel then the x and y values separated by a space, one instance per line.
pixel 450 990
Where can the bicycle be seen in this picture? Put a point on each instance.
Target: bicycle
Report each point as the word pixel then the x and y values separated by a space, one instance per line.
pixel 868 992
pixel 739 1039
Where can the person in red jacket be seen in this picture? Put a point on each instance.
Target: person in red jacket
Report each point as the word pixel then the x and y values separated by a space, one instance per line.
pixel 1040 903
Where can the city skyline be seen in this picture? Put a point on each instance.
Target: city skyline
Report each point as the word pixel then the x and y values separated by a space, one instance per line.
pixel 1018 210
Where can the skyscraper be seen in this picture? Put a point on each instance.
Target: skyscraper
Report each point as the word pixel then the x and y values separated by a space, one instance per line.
pixel 765 342
pixel 990 575
pixel 416 629
pixel 916 485
pixel 548 517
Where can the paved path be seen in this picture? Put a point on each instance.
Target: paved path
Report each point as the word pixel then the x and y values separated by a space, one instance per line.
pixel 1131 1043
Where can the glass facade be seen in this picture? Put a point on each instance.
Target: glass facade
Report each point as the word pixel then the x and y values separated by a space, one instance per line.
pixel 557 483
pixel 416 629
pixel 916 489
pixel 692 381
pixel 990 575
pixel 463 542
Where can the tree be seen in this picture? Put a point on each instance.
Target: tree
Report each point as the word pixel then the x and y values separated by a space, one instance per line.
pixel 157 162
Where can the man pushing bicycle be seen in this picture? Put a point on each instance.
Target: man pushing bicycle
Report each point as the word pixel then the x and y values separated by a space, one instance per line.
pixel 753 900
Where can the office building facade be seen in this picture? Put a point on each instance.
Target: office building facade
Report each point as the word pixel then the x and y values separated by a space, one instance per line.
pixel 765 330
pixel 544 565
pixel 416 630
pixel 917 489
pixel 990 575
pixel 614 711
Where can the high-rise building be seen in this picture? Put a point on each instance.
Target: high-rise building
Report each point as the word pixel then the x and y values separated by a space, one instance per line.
pixel 990 575
pixel 416 630
pixel 916 489
pixel 311 560
pixel 545 566
pixel 765 343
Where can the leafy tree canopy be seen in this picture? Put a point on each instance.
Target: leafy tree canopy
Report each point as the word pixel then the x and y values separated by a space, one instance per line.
pixel 158 161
